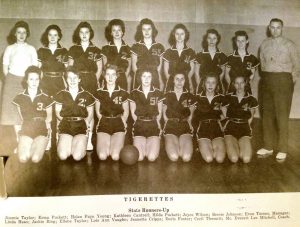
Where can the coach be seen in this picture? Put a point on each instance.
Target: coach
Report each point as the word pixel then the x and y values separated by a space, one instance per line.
pixel 280 69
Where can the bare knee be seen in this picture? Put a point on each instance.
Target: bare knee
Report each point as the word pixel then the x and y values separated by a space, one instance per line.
pixel 152 157
pixel 23 158
pixel 78 156
pixel 115 156
pixel 173 157
pixel 36 158
pixel 233 158
pixel 246 159
pixel 63 155
pixel 187 157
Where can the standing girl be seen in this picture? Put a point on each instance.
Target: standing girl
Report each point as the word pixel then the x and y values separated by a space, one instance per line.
pixel 117 52
pixel 178 110
pixel 74 109
pixel 35 109
pixel 87 59
pixel 239 108
pixel 53 58
pixel 146 110
pixel 210 59
pixel 209 133
pixel 16 59
pixel 179 57
pixel 112 110
pixel 241 59
pixel 147 53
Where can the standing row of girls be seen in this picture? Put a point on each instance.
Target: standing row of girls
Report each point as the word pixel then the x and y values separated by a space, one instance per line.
pixel 147 59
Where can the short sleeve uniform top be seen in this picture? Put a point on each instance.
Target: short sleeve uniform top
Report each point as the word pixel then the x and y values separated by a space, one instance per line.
pixel 33 108
pixel 111 105
pixel 53 62
pixel 119 58
pixel 85 61
pixel 206 62
pixel 240 109
pixel 77 107
pixel 179 108
pixel 147 57
pixel 146 106
pixel 206 110
pixel 179 62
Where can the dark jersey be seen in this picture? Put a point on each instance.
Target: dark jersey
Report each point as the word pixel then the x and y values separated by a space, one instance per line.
pixel 178 108
pixel 207 63
pixel 146 106
pixel 147 57
pixel 249 62
pixel 111 106
pixel 53 62
pixel 31 109
pixel 120 59
pixel 85 61
pixel 208 110
pixel 242 109
pixel 179 62
pixel 77 107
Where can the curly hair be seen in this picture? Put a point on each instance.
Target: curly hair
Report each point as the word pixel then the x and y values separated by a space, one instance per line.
pixel 139 34
pixel 31 69
pixel 172 40
pixel 84 24
pixel 210 31
pixel 186 85
pixel 240 33
pixel 44 38
pixel 108 28
pixel 205 77
pixel 11 38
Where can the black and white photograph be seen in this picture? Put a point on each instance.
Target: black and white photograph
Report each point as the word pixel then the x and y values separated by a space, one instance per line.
pixel 139 112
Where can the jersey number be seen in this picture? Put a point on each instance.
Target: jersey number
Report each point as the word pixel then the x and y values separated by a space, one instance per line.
pixel 153 101
pixel 81 102
pixel 39 106
pixel 117 100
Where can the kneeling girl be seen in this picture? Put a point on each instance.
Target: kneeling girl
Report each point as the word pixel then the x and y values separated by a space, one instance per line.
pixel 74 108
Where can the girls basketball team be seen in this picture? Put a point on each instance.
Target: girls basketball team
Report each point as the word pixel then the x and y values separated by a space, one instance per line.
pixel 87 91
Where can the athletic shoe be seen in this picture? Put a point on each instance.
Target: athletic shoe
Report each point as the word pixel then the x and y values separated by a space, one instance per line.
pixel 264 151
pixel 281 156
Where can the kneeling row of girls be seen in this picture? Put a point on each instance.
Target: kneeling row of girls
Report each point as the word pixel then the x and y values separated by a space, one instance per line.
pixel 220 123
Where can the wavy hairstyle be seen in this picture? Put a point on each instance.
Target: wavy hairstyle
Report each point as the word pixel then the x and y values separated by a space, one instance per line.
pixel 108 28
pixel 44 38
pixel 11 38
pixel 210 31
pixel 84 24
pixel 139 34
pixel 172 40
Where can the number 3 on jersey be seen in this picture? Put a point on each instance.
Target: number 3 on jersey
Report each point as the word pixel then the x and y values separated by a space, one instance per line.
pixel 39 106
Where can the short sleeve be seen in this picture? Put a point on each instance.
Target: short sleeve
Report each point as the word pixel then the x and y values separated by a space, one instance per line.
pixel 59 97
pixel 192 55
pixel 223 59
pixel 199 58
pixel 71 53
pixel 65 55
pixel 135 49
pixel 40 55
pixel 165 99
pixel 160 96
pixel 127 50
pixel 125 96
pixel 90 100
pixel 17 100
pixel 167 55
pixel 132 96
pixel 6 55
pixel 253 102
pixel 97 95
pixel 226 100
pixel 48 101
pixel 162 49
pixel 98 54
pixel 255 61
pixel 193 100
pixel 105 51
pixel 229 61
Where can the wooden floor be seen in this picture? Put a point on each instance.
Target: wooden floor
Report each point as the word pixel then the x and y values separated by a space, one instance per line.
pixel 90 176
